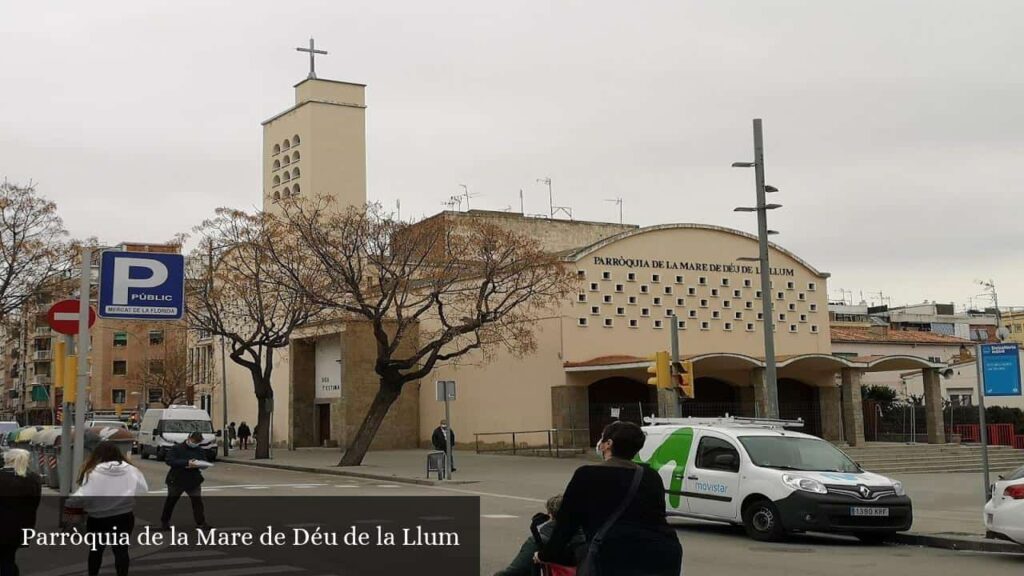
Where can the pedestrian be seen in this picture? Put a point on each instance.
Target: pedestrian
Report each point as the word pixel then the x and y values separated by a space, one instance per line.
pixel 185 477
pixel 621 507
pixel 20 493
pixel 542 526
pixel 442 438
pixel 232 434
pixel 108 484
pixel 256 435
pixel 243 435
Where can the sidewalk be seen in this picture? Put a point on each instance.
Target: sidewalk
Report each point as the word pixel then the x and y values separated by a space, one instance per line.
pixel 947 507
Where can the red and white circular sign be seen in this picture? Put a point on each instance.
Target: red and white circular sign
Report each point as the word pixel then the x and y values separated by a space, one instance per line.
pixel 63 317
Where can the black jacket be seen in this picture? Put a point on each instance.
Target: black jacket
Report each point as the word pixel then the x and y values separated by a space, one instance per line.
pixel 19 500
pixel 522 564
pixel 437 438
pixel 243 431
pixel 180 474
pixel 593 495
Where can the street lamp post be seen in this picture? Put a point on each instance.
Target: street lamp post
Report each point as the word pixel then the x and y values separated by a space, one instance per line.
pixel 224 396
pixel 768 321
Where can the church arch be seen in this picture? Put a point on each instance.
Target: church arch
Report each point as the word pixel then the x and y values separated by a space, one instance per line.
pixel 287 160
pixel 287 192
pixel 295 172
pixel 277 148
pixel 277 180
pixel 295 140
pixel 287 176
pixel 295 156
pixel 286 144
pixel 277 164
pixel 295 190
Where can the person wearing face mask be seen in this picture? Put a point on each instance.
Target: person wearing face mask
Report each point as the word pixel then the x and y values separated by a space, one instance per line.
pixel 620 505
pixel 442 437
pixel 185 477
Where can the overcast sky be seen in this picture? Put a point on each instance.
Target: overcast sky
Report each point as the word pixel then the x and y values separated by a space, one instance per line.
pixel 894 129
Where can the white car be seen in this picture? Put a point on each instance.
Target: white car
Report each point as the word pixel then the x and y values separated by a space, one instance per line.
pixel 771 480
pixel 162 428
pixel 1004 513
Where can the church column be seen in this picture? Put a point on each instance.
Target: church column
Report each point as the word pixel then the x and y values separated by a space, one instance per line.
pixel 760 392
pixel 933 406
pixel 853 407
pixel 831 405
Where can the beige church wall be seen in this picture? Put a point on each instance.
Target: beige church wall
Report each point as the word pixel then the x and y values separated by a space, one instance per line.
pixel 501 394
pixel 242 400
pixel 654 253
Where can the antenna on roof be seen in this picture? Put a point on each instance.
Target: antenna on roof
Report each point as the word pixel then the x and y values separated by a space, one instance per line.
pixel 465 194
pixel 522 207
pixel 619 202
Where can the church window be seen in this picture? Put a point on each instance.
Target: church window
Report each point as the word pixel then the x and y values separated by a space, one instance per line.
pixel 680 302
pixel 620 311
pixel 714 292
pixel 277 164
pixel 703 280
pixel 632 300
pixel 606 275
pixel 607 298
pixel 595 310
pixel 668 289
pixel 793 328
pixel 679 279
pixel 286 176
pixel 593 287
pixel 631 276
pixel 287 192
pixel 657 324
pixel 295 190
pixel 705 326
pixel 727 304
pixel 737 294
pixel 814 308
pixel 582 321
pixel 295 156
pixel 750 327
pixel 295 172
pixel 725 281
pixel 703 303
pixel 286 160
pixel 655 277
pixel 670 312
pixel 656 301
pixel 681 324
pixel 644 288
pixel 608 322
pixel 277 180
pixel 747 283
pixel 738 316
pixel 286 145
pixel 295 140
pixel 792 307
pixel 715 315
pixel 691 291
pixel 277 195
pixel 619 287
pixel 814 328
pixel 277 148
pixel 748 305
pixel 728 326
pixel 693 313
pixel 633 323
pixel 645 311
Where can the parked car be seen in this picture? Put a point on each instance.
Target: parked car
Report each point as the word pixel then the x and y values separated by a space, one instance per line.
pixel 106 424
pixel 770 480
pixel 6 427
pixel 162 428
pixel 1004 512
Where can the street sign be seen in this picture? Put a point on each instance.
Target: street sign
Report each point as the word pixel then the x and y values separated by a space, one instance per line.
pixel 445 390
pixel 142 286
pixel 1000 369
pixel 63 317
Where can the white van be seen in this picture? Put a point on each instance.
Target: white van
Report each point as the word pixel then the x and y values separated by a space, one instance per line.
pixel 771 480
pixel 162 428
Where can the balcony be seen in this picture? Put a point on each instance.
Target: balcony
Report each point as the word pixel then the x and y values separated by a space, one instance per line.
pixel 42 380
pixel 42 355
pixel 44 332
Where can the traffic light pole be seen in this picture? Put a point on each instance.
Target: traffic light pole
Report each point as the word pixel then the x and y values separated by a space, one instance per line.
pixel 771 391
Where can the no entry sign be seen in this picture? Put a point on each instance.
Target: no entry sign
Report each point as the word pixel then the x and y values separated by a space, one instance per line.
pixel 63 317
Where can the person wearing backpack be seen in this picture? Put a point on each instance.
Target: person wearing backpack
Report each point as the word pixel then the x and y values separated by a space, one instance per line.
pixel 620 505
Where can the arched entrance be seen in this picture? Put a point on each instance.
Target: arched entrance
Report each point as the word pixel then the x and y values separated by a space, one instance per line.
pixel 619 398
pixel 713 397
pixel 798 400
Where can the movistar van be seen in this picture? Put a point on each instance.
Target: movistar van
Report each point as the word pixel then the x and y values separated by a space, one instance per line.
pixel 771 480
pixel 162 428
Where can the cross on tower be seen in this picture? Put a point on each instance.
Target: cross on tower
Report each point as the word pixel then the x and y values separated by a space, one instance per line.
pixel 312 54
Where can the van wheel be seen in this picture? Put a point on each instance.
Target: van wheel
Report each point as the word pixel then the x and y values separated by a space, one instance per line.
pixel 142 453
pixel 874 538
pixel 160 454
pixel 762 521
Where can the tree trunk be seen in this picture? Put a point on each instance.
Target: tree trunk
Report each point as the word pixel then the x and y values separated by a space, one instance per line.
pixel 262 432
pixel 356 450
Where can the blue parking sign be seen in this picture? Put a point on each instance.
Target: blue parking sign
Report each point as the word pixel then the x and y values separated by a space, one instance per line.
pixel 1000 369
pixel 142 286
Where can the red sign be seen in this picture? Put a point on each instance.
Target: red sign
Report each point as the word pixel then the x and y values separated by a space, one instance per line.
pixel 63 317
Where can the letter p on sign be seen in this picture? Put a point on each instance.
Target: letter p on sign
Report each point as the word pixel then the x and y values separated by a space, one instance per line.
pixel 142 285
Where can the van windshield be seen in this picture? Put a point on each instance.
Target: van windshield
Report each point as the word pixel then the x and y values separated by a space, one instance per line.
pixel 175 426
pixel 791 453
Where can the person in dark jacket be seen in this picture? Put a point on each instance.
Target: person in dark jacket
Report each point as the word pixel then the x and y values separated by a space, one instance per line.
pixel 440 438
pixel 232 434
pixel 640 542
pixel 243 435
pixel 20 493
pixel 523 565
pixel 185 477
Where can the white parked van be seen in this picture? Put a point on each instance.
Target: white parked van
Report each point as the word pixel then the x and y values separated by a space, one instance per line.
pixel 771 480
pixel 162 428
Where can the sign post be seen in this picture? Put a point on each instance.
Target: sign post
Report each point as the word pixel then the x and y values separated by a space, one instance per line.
pixel 83 347
pixel 998 375
pixel 446 393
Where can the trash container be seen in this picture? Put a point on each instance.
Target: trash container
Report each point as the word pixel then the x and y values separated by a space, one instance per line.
pixel 120 437
pixel 23 436
pixel 45 443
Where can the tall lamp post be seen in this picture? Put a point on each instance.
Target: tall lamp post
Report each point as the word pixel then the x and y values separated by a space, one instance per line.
pixel 768 321
pixel 225 439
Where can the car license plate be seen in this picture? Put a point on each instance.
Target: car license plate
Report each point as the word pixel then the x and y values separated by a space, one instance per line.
pixel 859 511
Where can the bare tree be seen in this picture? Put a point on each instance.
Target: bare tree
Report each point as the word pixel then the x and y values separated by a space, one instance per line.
pixel 32 244
pixel 165 367
pixel 432 292
pixel 232 292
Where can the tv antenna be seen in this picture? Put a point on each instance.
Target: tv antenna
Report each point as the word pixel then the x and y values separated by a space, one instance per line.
pixel 619 202
pixel 465 194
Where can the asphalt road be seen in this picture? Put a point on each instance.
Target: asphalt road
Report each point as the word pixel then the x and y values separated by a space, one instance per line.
pixel 709 549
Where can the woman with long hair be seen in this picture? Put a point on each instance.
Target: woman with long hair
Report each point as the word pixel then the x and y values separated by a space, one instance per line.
pixel 20 492
pixel 108 483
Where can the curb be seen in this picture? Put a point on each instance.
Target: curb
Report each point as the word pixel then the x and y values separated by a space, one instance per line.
pixel 957 542
pixel 346 473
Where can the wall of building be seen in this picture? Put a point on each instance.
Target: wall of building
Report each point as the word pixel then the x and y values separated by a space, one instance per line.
pixel 964 378
pixel 553 235
pixel 647 272
pixel 944 352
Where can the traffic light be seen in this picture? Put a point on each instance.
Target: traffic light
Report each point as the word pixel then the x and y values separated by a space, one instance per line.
pixel 682 373
pixel 661 371
pixel 70 378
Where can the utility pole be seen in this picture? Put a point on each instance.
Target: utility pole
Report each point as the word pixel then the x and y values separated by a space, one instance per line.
pixel 768 321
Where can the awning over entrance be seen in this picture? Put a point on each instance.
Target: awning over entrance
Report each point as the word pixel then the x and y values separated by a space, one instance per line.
pixel 732 361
